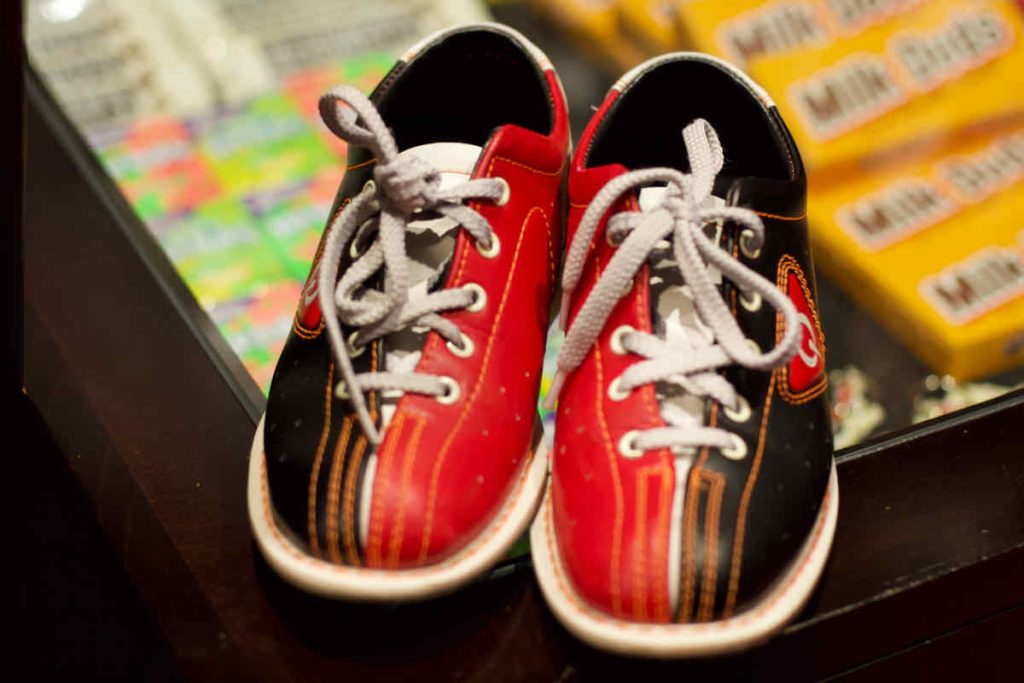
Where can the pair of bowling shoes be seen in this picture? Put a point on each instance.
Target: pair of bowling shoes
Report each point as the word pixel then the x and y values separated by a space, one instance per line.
pixel 689 501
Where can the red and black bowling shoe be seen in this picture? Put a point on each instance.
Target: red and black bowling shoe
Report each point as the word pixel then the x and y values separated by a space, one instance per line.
pixel 399 453
pixel 693 494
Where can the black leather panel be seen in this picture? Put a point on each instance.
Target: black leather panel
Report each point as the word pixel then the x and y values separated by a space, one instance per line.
pixel 771 500
pixel 294 428
pixel 295 420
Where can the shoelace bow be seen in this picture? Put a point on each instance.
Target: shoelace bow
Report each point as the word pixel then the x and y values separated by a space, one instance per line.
pixel 403 187
pixel 679 217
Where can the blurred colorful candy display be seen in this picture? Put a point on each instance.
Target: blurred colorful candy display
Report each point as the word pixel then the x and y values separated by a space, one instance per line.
pixel 257 325
pixel 261 144
pixel 157 167
pixel 238 198
pixel 205 114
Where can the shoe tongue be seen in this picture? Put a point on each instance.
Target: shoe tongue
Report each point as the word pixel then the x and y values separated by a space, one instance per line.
pixel 429 244
pixel 431 239
pixel 675 317
pixel 455 160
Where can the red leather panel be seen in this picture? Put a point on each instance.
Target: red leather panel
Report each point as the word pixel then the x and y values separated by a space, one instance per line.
pixel 443 470
pixel 611 514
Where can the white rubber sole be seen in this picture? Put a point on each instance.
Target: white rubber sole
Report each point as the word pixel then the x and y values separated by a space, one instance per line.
pixel 293 563
pixel 760 621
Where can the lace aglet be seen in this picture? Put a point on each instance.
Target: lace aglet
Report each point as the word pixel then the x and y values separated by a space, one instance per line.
pixel 551 400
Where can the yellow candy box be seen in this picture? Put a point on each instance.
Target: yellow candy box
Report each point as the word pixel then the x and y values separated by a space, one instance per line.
pixel 652 25
pixel 742 30
pixel 595 26
pixel 936 252
pixel 948 67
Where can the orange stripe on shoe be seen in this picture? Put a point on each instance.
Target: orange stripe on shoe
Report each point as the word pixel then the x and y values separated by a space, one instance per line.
pixel 398 532
pixel 333 484
pixel 314 477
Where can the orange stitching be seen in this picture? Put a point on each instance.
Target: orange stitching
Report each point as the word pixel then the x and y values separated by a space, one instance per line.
pixel 352 476
pixel 690 544
pixel 456 276
pixel 361 164
pixel 373 547
pixel 690 530
pixel 712 511
pixel 314 477
pixel 788 264
pixel 398 531
pixel 647 393
pixel 439 461
pixel 613 463
pixel 777 217
pixel 741 521
pixel 749 615
pixel 661 607
pixel 561 166
pixel 648 401
pixel 289 547
pixel 304 333
pixel 357 455
pixel 551 252
pixel 640 548
pixel 616 527
pixel 332 489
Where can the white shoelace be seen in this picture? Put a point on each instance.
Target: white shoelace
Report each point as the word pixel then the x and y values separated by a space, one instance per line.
pixel 403 187
pixel 676 224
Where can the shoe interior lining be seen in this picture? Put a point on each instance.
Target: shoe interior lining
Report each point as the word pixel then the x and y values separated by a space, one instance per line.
pixel 462 88
pixel 644 126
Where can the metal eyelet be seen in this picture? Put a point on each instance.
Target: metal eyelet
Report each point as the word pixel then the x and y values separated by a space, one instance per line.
pixel 341 391
pixel 753 346
pixel 506 193
pixel 370 185
pixel 492 250
pixel 613 242
pixel 745 238
pixel 615 390
pixel 628 447
pixel 354 251
pixel 479 297
pixel 353 350
pixel 753 303
pixel 616 340
pixel 741 414
pixel 464 349
pixel 737 451
pixel 452 391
